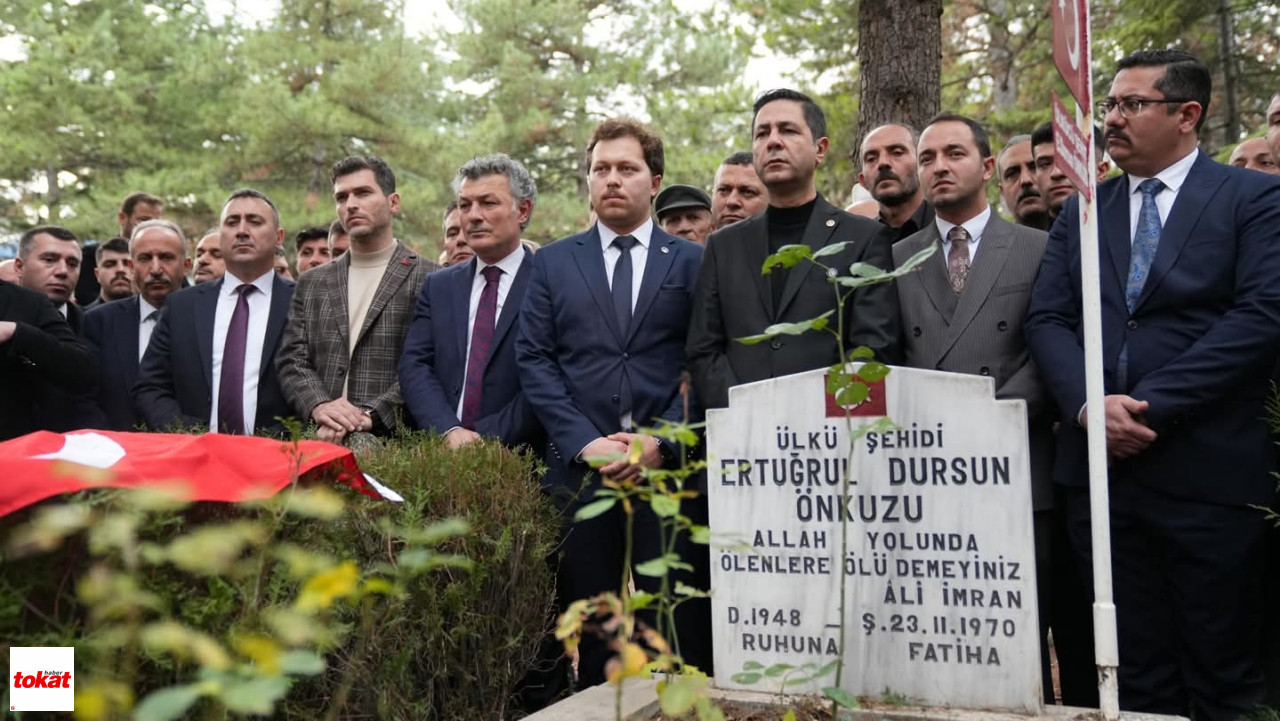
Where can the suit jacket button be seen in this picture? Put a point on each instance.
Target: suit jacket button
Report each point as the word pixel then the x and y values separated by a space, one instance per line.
pixel 626 356
pixel 616 399
pixel 1002 325
pixel 916 331
pixel 985 371
pixel 776 345
pixel 1131 325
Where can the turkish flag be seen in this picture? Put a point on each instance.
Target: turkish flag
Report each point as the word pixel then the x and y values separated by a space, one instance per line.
pixel 210 467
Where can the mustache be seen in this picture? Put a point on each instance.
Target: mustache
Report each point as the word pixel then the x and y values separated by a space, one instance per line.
pixel 886 175
pixel 1115 133
pixel 1030 191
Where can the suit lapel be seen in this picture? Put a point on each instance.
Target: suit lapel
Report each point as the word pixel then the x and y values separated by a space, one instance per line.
pixel 276 319
pixel 338 295
pixel 398 269
pixel 933 276
pixel 662 250
pixel 822 223
pixel 993 252
pixel 756 249
pixel 460 296
pixel 1113 227
pixel 515 295
pixel 128 328
pixel 1193 199
pixel 206 307
pixel 590 259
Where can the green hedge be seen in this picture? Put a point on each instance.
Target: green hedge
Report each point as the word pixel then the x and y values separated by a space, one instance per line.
pixel 444 642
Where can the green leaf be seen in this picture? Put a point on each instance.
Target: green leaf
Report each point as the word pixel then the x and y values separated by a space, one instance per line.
pixel 301 663
pixel 796 328
pixel 873 372
pixel 747 678
pixel 255 696
pixel 593 509
pixel 166 703
pixel 790 715
pixel 853 394
pixel 700 534
pixel 640 600
pixel 680 695
pixel 866 270
pixel 752 666
pixel 915 260
pixel 831 249
pixel 665 506
pixel 827 669
pixel 707 712
pixel 840 696
pixel 778 669
pixel 656 568
pixel 787 256
pixel 861 352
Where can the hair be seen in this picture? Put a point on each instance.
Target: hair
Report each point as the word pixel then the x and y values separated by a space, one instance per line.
pixel 813 116
pixel 207 233
pixel 1044 135
pixel 310 233
pixel 979 133
pixel 134 199
pixel 355 163
pixel 280 252
pixel 335 228
pixel 1020 138
pixel 251 193
pixel 28 238
pixel 856 154
pixel 624 127
pixel 1185 77
pixel 742 157
pixel 518 177
pixel 452 206
pixel 115 245
pixel 168 225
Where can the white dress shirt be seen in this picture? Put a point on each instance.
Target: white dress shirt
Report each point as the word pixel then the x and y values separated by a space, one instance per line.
pixel 1173 177
pixel 639 253
pixel 259 310
pixel 974 225
pixel 146 325
pixel 509 265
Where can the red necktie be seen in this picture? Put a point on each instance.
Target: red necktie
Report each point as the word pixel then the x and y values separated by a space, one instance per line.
pixel 481 346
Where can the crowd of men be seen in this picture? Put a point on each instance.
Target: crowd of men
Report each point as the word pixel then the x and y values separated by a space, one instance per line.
pixel 567 350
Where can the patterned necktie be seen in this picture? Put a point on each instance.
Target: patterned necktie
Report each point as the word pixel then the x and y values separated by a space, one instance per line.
pixel 1145 241
pixel 231 380
pixel 958 258
pixel 622 283
pixel 481 346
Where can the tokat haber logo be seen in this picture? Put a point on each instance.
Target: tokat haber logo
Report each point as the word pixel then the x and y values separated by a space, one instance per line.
pixel 41 678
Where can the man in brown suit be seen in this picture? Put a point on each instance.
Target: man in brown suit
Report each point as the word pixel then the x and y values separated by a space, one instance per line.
pixel 338 360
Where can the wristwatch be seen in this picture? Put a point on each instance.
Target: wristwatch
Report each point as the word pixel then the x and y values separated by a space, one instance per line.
pixel 669 457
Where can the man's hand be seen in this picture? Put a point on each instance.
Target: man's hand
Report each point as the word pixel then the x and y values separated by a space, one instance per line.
pixel 1127 431
pixel 7 329
pixel 340 415
pixel 459 437
pixel 329 435
pixel 623 469
pixel 605 448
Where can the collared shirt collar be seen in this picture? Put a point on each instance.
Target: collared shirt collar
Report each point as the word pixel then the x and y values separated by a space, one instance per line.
pixel 1173 176
pixel 263 282
pixel 509 264
pixel 974 225
pixel 642 234
pixel 145 309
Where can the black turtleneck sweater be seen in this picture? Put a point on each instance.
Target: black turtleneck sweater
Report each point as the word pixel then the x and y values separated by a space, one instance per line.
pixel 786 227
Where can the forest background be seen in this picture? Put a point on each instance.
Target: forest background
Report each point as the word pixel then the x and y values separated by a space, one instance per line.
pixel 189 99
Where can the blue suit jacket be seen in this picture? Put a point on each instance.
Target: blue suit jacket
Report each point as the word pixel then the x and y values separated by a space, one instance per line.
pixel 175 384
pixel 572 355
pixel 433 365
pixel 112 330
pixel 1201 340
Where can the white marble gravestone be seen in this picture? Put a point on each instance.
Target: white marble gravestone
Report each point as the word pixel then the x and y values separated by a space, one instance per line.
pixel 940 565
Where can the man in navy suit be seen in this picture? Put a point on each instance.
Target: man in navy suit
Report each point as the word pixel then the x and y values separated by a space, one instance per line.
pixel 120 331
pixel 601 352
pixel 453 385
pixel 211 360
pixel 1190 280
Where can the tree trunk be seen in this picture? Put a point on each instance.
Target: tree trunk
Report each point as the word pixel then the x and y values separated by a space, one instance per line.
pixel 900 58
pixel 1227 45
pixel 1004 82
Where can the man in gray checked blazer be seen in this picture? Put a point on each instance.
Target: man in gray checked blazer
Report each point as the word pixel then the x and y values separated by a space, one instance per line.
pixel 963 311
pixel 338 360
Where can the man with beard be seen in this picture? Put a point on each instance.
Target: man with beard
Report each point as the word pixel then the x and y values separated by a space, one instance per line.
pixel 736 191
pixel 210 361
pixel 114 271
pixel 890 174
pixel 209 265
pixel 338 360
pixel 1016 170
pixel 120 332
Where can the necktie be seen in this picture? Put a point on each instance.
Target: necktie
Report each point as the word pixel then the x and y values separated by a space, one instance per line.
pixel 1145 241
pixel 481 345
pixel 152 317
pixel 231 380
pixel 622 283
pixel 958 258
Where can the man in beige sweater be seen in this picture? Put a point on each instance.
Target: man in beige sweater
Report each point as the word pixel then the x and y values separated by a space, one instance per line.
pixel 337 362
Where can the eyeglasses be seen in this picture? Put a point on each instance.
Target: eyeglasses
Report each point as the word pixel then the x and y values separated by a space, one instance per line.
pixel 1132 106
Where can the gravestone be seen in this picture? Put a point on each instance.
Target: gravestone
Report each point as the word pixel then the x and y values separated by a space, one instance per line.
pixel 940 563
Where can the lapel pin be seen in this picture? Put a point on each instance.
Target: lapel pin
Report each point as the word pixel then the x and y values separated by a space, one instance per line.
pixel 405 261
pixel 831 223
pixel 665 249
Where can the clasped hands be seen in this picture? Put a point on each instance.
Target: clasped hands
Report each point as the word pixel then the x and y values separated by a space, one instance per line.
pixel 339 417
pixel 619 444
pixel 1126 425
